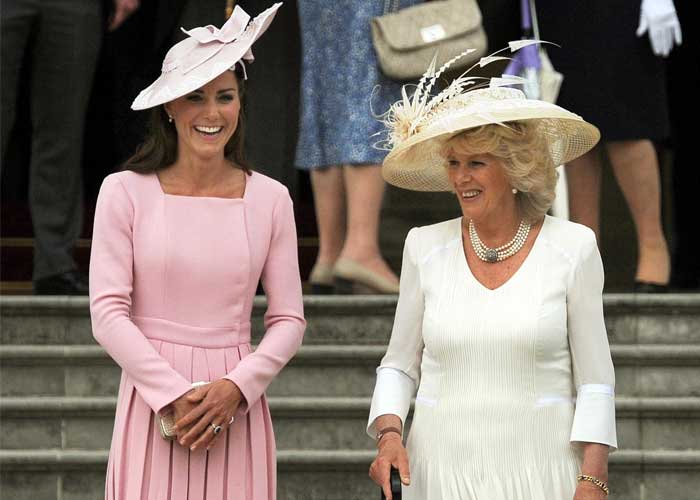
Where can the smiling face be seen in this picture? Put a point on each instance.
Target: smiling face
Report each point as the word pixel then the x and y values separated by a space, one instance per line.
pixel 481 185
pixel 207 118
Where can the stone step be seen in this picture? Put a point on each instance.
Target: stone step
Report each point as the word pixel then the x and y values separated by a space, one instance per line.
pixel 326 475
pixel 320 370
pixel 355 320
pixel 314 423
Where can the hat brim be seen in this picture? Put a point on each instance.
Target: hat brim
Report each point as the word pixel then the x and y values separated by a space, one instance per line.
pixel 418 163
pixel 176 83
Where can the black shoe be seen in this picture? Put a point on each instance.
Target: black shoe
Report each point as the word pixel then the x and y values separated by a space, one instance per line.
pixel 646 287
pixel 68 283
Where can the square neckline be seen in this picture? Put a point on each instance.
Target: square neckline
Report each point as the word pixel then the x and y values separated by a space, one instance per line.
pixel 239 199
pixel 524 263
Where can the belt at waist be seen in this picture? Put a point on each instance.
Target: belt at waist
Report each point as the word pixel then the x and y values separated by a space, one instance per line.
pixel 195 336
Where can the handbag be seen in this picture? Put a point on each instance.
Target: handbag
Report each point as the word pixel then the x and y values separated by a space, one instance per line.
pixel 166 422
pixel 406 40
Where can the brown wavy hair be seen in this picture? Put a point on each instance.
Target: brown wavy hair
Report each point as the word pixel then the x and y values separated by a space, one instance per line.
pixel 159 148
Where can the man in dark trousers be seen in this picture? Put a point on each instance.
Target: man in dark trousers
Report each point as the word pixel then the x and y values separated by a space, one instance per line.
pixel 64 37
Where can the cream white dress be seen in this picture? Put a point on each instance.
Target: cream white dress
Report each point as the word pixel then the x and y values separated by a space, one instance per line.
pixel 509 381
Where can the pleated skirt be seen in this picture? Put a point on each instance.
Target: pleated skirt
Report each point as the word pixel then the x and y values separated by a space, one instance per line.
pixel 438 480
pixel 142 465
pixel 480 448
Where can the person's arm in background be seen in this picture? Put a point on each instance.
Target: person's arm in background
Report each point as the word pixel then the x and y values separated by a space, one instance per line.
pixel 123 9
pixel 659 18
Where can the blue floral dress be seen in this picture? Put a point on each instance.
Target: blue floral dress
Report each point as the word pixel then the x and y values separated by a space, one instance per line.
pixel 342 87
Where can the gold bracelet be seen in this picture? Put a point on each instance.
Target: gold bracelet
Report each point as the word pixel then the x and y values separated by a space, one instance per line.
pixel 600 484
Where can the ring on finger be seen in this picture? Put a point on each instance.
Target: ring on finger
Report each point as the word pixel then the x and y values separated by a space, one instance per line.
pixel 217 428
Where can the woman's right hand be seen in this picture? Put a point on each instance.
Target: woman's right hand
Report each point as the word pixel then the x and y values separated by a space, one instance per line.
pixel 391 453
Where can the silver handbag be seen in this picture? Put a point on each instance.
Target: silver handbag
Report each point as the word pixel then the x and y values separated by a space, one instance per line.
pixel 406 40
pixel 166 422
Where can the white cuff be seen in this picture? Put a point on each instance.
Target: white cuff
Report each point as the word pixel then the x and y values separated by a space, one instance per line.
pixel 594 417
pixel 392 395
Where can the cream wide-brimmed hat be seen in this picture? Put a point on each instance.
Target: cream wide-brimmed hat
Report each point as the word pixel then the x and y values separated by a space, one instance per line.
pixel 418 127
pixel 204 55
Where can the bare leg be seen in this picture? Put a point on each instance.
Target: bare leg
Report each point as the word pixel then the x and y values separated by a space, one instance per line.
pixel 637 171
pixel 583 179
pixel 365 189
pixel 329 200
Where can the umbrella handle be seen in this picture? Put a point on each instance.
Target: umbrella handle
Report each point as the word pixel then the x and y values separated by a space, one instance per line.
pixel 525 17
pixel 535 24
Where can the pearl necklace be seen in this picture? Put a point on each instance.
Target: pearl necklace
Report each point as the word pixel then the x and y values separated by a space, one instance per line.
pixel 487 254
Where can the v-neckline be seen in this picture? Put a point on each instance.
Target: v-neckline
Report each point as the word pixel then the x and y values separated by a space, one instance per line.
pixel 517 272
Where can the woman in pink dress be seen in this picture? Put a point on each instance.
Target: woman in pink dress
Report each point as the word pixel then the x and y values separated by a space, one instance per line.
pixel 181 238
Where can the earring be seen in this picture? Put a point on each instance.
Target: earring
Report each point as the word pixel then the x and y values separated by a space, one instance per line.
pixel 514 191
pixel 170 118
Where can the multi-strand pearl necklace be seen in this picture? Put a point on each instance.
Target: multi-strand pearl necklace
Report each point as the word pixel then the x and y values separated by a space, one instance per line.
pixel 504 251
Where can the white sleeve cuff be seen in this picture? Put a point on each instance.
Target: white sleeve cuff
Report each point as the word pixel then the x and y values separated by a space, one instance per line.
pixel 594 417
pixel 392 395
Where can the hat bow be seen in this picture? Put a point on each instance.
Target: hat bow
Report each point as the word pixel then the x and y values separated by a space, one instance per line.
pixel 207 41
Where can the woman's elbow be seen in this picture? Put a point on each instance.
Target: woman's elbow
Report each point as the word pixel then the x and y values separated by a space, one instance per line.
pixel 300 328
pixel 98 331
pixel 291 329
pixel 105 319
pixel 100 328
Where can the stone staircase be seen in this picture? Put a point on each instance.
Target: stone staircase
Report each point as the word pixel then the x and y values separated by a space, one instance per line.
pixel 58 394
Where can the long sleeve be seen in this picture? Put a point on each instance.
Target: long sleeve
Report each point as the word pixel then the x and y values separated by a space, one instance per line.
pixel 594 375
pixel 399 373
pixel 284 319
pixel 111 284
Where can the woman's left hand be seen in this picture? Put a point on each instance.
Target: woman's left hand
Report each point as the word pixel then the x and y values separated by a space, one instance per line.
pixel 589 491
pixel 217 403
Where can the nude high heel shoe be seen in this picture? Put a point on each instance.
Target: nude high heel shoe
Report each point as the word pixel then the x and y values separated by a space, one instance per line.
pixel 353 278
pixel 321 279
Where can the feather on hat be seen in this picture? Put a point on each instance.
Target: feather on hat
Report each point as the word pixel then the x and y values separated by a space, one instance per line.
pixel 418 126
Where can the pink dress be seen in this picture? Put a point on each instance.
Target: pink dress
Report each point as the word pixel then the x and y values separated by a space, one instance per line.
pixel 172 281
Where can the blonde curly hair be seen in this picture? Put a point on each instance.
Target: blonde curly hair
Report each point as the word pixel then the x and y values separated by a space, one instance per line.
pixel 526 160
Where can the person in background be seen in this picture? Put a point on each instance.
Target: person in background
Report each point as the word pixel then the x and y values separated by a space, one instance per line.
pixel 336 135
pixel 614 75
pixel 684 80
pixel 64 37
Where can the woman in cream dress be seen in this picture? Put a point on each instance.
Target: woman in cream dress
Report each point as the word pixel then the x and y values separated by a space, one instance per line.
pixel 499 329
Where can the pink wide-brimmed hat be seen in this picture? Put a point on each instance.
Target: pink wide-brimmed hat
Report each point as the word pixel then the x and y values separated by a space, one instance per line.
pixel 204 55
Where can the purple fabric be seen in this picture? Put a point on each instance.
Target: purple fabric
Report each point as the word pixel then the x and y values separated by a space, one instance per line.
pixel 527 57
pixel 525 16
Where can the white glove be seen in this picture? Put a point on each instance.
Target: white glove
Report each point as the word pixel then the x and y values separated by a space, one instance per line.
pixel 660 19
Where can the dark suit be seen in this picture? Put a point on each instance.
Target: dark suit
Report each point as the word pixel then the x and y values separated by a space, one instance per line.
pixel 64 38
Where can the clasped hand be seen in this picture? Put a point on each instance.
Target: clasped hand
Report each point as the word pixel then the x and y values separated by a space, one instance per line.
pixel 200 410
